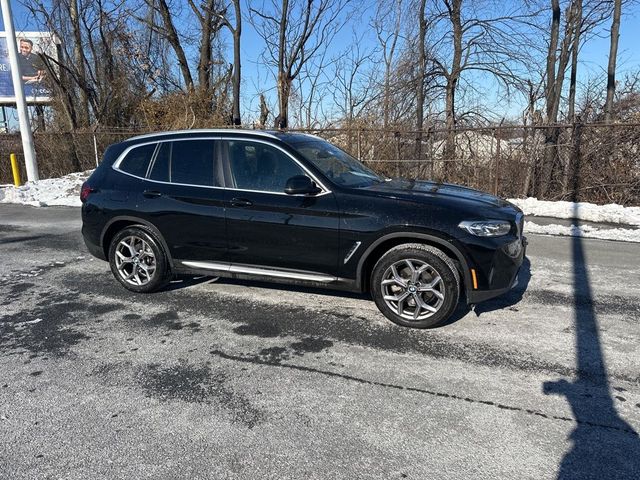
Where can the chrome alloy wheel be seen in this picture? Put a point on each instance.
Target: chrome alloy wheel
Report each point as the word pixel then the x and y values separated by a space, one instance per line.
pixel 413 289
pixel 135 261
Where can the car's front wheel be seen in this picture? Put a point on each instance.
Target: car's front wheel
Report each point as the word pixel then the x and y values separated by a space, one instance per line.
pixel 138 260
pixel 415 285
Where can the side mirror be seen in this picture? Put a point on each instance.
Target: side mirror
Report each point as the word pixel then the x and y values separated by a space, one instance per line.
pixel 301 184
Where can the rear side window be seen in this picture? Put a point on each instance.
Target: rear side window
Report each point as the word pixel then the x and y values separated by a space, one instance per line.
pixel 190 162
pixel 137 160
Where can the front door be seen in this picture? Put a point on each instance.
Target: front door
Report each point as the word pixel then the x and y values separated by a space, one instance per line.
pixel 267 227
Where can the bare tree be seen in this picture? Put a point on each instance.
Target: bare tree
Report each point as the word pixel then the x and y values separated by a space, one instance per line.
pixel 168 31
pixel 210 17
pixel 294 31
pixel 613 53
pixel 421 75
pixel 236 32
pixel 388 13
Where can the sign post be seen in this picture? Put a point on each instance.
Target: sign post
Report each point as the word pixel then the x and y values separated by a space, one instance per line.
pixel 23 117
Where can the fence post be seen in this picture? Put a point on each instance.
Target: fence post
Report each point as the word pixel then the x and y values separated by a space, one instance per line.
pixel 577 159
pixel 397 135
pixel 496 173
pixel 95 148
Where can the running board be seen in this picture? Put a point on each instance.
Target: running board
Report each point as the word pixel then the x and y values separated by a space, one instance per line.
pixel 267 272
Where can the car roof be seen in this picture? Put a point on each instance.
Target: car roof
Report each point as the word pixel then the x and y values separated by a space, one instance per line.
pixel 207 131
pixel 287 137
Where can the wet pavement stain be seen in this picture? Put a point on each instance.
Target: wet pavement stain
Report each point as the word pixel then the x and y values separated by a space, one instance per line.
pixel 16 291
pixel 603 305
pixel 44 330
pixel 274 354
pixel 311 345
pixel 197 384
pixel 297 349
pixel 281 320
pixel 258 329
pixel 169 320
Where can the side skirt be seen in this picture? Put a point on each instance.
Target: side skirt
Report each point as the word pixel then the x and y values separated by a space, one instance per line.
pixel 266 274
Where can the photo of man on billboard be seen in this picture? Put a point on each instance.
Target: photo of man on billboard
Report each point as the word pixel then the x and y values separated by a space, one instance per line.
pixel 30 64
pixel 35 82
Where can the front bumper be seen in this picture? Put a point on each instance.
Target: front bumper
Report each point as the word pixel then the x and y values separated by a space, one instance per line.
pixel 499 276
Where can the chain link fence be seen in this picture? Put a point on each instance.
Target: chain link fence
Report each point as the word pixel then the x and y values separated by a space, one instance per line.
pixel 582 162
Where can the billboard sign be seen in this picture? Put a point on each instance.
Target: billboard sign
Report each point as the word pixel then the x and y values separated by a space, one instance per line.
pixel 31 47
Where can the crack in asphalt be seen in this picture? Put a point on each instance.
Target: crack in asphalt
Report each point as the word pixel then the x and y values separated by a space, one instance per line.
pixel 252 359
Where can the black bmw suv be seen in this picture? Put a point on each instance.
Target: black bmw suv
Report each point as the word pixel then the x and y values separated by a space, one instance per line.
pixel 294 208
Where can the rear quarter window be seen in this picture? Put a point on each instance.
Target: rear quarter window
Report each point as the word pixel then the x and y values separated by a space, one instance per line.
pixel 137 160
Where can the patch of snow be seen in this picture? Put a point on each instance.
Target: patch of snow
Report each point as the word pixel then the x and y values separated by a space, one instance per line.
pixel 63 191
pixel 590 212
pixel 587 231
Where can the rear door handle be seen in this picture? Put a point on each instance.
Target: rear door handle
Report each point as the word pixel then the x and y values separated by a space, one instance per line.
pixel 241 202
pixel 152 193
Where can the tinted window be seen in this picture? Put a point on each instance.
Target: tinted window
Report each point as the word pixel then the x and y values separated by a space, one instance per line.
pixel 192 162
pixel 257 166
pixel 337 165
pixel 186 161
pixel 137 160
pixel 160 169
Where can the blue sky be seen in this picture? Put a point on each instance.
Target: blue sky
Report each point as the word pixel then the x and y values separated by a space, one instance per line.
pixel 258 78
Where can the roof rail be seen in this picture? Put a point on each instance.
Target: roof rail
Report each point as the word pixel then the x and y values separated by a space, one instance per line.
pixel 260 133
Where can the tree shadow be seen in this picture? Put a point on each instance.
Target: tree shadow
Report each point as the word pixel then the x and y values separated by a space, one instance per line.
pixel 604 445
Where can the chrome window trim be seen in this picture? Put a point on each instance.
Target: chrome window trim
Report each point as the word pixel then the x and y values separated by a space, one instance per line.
pixel 217 131
pixel 353 250
pixel 324 188
pixel 122 156
pixel 116 165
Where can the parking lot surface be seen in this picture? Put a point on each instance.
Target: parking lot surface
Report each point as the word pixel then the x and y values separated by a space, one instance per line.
pixel 214 379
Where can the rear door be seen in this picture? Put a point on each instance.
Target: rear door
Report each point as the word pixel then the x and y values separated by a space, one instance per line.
pixel 184 198
pixel 267 227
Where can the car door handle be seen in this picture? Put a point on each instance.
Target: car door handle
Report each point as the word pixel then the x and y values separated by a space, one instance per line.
pixel 241 202
pixel 152 193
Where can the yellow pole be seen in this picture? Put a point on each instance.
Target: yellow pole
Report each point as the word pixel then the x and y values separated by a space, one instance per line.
pixel 15 170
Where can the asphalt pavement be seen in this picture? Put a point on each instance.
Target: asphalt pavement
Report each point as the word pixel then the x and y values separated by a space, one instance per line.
pixel 217 379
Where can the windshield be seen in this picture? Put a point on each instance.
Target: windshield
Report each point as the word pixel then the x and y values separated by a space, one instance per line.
pixel 340 167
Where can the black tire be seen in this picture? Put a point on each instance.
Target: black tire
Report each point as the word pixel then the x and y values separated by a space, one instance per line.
pixel 422 291
pixel 151 282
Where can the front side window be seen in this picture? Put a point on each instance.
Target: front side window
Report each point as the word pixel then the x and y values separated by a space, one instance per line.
pixel 190 162
pixel 261 167
pixel 137 160
pixel 336 164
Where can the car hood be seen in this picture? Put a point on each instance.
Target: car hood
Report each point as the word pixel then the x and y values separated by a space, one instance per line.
pixel 410 189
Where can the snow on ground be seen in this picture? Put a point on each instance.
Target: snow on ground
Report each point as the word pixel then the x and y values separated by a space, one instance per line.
pixel 610 213
pixel 66 191
pixel 587 231
pixel 49 192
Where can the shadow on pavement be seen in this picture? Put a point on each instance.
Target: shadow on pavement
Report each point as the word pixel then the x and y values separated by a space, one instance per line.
pixel 604 445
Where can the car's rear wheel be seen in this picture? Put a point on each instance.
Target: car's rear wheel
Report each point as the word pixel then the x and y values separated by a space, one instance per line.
pixel 138 260
pixel 415 285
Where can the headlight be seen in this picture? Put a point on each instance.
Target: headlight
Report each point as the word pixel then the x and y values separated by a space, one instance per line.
pixel 486 228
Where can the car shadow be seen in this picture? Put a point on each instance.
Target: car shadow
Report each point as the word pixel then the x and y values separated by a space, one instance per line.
pixel 512 297
pixel 603 444
pixel 185 281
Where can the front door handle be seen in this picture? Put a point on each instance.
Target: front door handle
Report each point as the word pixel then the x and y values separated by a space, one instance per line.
pixel 152 193
pixel 241 202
